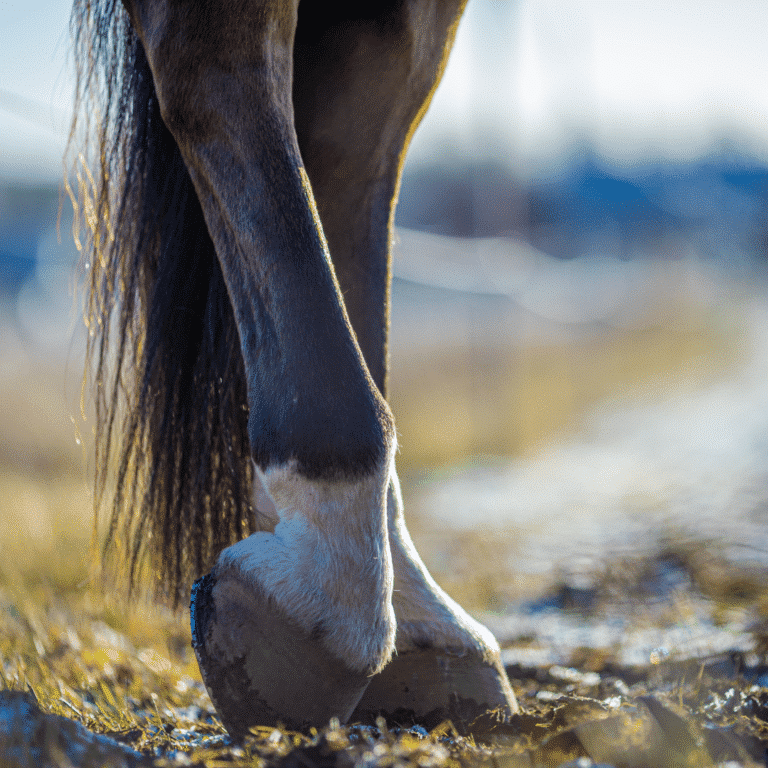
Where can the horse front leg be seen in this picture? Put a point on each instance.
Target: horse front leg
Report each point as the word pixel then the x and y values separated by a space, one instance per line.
pixel 362 81
pixel 291 623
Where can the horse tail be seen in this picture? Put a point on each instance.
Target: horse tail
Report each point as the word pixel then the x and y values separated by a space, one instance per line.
pixel 172 469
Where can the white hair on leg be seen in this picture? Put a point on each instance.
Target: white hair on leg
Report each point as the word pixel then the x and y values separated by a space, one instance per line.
pixel 327 564
pixel 266 513
pixel 448 666
pixel 425 613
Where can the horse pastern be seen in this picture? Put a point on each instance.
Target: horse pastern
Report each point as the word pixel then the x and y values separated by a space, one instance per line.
pixel 331 536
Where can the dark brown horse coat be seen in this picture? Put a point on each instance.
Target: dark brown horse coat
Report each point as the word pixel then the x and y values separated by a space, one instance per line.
pixel 251 154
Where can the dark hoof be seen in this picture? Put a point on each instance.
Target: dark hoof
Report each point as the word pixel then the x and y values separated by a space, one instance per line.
pixel 259 667
pixel 429 686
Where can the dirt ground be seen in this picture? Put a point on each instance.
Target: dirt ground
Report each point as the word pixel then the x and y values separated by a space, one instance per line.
pixel 83 684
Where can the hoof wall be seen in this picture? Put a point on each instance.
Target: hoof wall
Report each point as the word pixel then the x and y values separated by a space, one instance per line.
pixel 429 686
pixel 259 667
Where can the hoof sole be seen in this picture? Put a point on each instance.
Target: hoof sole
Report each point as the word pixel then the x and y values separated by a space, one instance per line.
pixel 429 686
pixel 259 667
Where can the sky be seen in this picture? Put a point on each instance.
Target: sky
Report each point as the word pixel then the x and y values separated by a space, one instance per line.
pixel 528 79
pixel 36 87
pixel 638 80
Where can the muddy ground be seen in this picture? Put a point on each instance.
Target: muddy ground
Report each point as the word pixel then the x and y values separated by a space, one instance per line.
pixel 76 691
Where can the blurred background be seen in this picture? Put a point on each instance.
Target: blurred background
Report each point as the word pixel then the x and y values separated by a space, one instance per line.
pixel 579 314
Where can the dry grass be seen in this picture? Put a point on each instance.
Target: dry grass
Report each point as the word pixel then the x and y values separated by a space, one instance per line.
pixel 70 659
pixel 468 402
pixel 131 673
pixel 452 407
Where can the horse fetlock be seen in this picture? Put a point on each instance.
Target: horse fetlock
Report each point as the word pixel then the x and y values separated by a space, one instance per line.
pixel 290 624
pixel 335 566
pixel 263 504
pixel 354 439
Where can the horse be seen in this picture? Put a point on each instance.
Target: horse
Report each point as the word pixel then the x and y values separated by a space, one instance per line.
pixel 248 158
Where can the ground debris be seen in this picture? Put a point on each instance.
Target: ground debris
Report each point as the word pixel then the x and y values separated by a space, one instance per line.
pixel 83 685
pixel 31 737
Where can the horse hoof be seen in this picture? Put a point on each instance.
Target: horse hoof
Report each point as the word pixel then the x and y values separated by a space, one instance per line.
pixel 428 686
pixel 259 667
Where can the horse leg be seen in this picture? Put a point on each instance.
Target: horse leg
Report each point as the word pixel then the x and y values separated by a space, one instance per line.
pixel 291 623
pixel 361 83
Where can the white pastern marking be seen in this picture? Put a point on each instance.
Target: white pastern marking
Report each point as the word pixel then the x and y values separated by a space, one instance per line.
pixel 327 564
pixel 423 610
pixel 266 513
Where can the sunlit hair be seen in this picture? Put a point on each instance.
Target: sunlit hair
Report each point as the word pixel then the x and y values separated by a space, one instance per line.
pixel 172 469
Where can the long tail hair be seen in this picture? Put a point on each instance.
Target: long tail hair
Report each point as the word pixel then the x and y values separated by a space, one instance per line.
pixel 172 467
